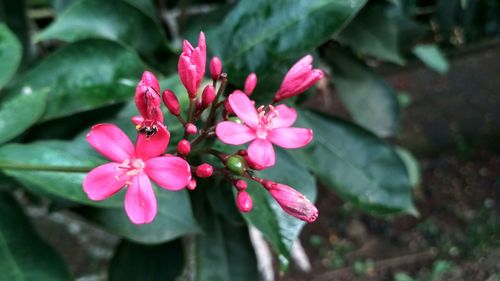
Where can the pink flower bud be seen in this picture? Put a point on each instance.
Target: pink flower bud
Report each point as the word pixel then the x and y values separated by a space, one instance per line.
pixel 171 102
pixel 147 97
pixel 298 79
pixel 291 201
pixel 191 184
pixel 204 170
pixel 137 120
pixel 191 129
pixel 184 147
pixel 208 96
pixel 244 201
pixel 215 68
pixel 191 65
pixel 250 84
pixel 241 185
pixel 227 107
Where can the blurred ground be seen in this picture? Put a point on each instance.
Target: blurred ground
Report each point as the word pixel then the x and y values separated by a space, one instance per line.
pixel 453 126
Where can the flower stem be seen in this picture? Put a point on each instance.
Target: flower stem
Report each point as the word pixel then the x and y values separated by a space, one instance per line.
pixel 45 168
pixel 213 108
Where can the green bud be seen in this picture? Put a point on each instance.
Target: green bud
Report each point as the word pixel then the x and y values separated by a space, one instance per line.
pixel 235 119
pixel 236 164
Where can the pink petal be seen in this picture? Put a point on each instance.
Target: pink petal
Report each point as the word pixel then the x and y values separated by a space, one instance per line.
pixel 169 172
pixel 111 142
pixel 104 181
pixel 233 133
pixel 286 116
pixel 244 108
pixel 290 137
pixel 140 200
pixel 149 147
pixel 261 152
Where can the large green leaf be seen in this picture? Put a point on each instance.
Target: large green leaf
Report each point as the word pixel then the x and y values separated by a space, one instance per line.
pixel 265 36
pixel 53 168
pixel 223 251
pixel 174 219
pixel 113 20
pixel 13 14
pixel 138 262
pixel 372 102
pixel 84 75
pixel 24 256
pixel 10 54
pixel 356 164
pixel 21 111
pixel 375 32
pixel 277 226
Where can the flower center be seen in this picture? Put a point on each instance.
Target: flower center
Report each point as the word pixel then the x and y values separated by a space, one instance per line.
pixel 132 167
pixel 266 120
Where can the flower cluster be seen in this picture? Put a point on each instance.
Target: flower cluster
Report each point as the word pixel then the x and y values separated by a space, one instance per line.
pixel 234 120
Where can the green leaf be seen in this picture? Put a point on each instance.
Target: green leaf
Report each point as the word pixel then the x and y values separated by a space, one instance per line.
pixel 265 36
pixel 375 32
pixel 113 20
pixel 431 55
pixel 412 166
pixel 277 226
pixel 223 251
pixel 13 14
pixel 372 103
pixel 21 111
pixel 360 167
pixel 138 262
pixel 10 54
pixel 53 168
pixel 24 256
pixel 174 219
pixel 82 76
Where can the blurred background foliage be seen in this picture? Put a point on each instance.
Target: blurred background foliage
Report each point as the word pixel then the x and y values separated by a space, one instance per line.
pixel 68 64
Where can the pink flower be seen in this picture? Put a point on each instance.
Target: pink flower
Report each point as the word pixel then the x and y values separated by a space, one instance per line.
pixel 263 129
pixel 147 98
pixel 298 79
pixel 134 167
pixel 191 65
pixel 292 202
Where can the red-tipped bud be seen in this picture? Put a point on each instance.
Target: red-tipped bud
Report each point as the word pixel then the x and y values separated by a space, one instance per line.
pixel 184 147
pixel 250 84
pixel 215 68
pixel 240 185
pixel 171 102
pixel 204 170
pixel 244 201
pixel 298 79
pixel 191 66
pixel 191 184
pixel 291 201
pixel 191 129
pixel 228 108
pixel 147 97
pixel 208 96
pixel 137 120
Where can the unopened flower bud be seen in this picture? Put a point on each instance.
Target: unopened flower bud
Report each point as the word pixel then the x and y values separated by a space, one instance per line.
pixel 171 102
pixel 215 68
pixel 147 97
pixel 137 120
pixel 291 201
pixel 244 201
pixel 250 84
pixel 204 170
pixel 184 147
pixel 191 129
pixel 240 185
pixel 236 164
pixel 208 96
pixel 191 184
pixel 228 108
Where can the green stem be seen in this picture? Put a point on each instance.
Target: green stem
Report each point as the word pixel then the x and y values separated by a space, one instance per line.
pixel 45 168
